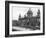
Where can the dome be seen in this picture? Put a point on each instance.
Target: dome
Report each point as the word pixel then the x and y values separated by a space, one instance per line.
pixel 29 13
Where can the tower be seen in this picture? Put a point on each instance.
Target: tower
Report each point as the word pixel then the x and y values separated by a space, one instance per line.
pixel 38 13
pixel 19 16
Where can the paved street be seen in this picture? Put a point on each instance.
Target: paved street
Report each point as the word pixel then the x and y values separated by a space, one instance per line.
pixel 20 28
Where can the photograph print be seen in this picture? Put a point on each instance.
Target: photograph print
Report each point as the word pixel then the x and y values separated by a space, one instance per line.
pixel 26 19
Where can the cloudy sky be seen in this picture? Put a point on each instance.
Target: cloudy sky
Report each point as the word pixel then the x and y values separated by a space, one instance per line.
pixel 21 10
